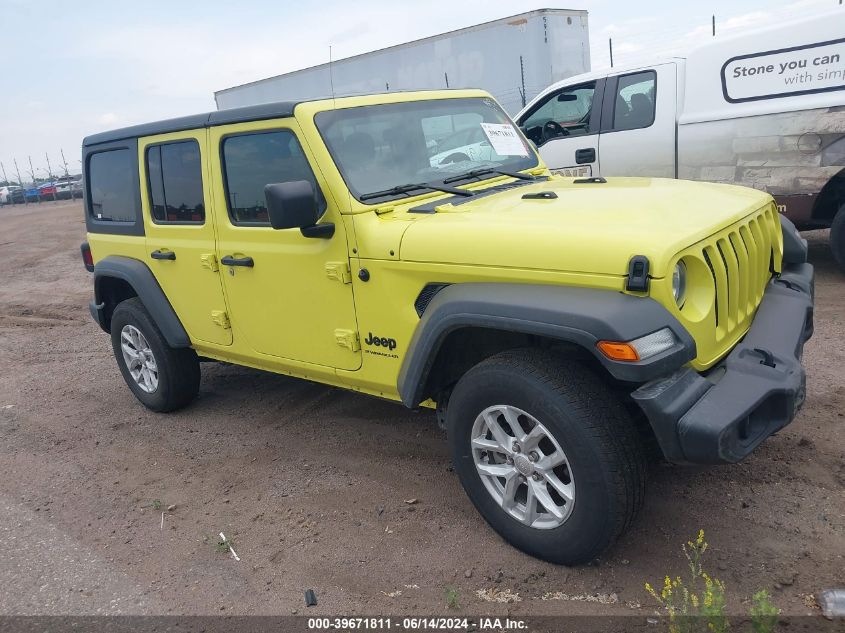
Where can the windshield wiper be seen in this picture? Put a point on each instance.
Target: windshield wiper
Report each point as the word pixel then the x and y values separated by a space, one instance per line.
pixel 399 189
pixel 489 170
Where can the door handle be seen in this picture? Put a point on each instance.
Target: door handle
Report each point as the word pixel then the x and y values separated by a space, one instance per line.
pixel 228 260
pixel 586 155
pixel 163 255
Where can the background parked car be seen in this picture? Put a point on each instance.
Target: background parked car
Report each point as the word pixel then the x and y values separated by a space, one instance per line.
pixel 17 195
pixel 68 188
pixel 47 191
pixel 7 194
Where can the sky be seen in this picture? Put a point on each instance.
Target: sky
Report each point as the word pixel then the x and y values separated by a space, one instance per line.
pixel 75 68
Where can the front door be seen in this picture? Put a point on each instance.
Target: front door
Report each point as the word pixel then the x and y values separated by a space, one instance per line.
pixel 289 296
pixel 564 127
pixel 179 227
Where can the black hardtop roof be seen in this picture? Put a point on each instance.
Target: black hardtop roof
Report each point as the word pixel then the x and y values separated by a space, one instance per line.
pixel 276 110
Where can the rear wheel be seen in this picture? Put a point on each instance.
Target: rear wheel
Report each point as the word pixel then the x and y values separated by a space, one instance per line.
pixel 547 454
pixel 163 378
pixel 837 238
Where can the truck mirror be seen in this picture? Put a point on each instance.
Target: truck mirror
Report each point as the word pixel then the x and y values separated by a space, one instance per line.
pixel 291 205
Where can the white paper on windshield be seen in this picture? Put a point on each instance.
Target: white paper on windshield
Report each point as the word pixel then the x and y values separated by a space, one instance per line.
pixel 504 139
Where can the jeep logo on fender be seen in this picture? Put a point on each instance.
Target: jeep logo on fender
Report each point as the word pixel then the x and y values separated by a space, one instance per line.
pixel 389 343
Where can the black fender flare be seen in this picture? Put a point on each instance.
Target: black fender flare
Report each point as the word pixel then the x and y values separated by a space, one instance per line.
pixel 138 275
pixel 582 316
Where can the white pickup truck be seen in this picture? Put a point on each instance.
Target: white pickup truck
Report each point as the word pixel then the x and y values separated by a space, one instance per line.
pixel 764 109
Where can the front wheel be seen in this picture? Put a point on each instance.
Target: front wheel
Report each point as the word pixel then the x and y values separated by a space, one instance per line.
pixel 547 454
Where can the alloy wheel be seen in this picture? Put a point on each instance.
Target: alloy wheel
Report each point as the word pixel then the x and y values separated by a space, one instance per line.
pixel 523 467
pixel 139 358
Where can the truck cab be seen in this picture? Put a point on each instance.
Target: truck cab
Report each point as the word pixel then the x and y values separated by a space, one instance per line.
pixel 611 116
pixel 739 110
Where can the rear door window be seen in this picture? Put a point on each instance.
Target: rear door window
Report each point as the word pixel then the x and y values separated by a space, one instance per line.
pixel 111 186
pixel 634 107
pixel 174 177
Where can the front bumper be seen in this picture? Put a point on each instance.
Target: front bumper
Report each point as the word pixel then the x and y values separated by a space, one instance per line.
pixel 755 391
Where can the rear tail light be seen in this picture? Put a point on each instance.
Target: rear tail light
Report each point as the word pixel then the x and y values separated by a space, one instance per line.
pixel 87 258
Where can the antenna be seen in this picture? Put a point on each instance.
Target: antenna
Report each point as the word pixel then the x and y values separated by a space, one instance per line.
pixel 20 182
pixel 331 76
pixel 50 173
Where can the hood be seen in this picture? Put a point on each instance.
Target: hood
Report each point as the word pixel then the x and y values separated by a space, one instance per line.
pixel 587 227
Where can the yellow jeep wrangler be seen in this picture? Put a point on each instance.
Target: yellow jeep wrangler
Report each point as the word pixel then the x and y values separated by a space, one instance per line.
pixel 414 247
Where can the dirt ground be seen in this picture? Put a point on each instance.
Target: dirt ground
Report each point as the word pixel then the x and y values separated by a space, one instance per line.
pixel 311 483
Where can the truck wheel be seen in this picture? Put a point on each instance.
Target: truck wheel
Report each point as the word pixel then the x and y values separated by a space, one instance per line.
pixel 161 377
pixel 837 238
pixel 547 454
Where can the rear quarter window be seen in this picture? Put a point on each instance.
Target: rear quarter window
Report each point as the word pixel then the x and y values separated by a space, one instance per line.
pixel 634 106
pixel 111 186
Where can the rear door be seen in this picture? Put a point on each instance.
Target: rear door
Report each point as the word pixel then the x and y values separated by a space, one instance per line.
pixel 638 123
pixel 179 227
pixel 564 125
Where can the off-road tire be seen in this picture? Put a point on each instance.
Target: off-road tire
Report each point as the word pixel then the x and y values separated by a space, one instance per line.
pixel 591 425
pixel 837 238
pixel 178 369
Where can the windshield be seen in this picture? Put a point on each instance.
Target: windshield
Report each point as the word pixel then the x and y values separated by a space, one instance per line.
pixel 381 147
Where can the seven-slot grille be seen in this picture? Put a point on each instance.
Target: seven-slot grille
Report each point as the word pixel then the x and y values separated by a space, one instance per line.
pixel 740 260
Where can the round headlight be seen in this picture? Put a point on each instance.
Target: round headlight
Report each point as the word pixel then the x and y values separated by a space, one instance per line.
pixel 679 283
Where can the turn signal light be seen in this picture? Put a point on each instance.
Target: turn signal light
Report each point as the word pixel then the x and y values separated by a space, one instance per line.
pixel 640 348
pixel 618 351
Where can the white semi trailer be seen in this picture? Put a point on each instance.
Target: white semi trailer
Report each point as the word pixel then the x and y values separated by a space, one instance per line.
pixel 513 58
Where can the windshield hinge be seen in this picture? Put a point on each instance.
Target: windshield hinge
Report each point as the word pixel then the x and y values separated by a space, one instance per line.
pixel 221 318
pixel 348 339
pixel 209 260
pixel 339 271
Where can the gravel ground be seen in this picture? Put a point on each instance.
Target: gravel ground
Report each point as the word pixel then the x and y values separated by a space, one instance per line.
pixel 311 483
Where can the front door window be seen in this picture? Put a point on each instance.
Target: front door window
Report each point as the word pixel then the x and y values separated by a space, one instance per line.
pixel 562 114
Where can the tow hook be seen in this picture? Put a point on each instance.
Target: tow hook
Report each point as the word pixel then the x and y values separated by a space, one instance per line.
pixel 787 283
pixel 768 357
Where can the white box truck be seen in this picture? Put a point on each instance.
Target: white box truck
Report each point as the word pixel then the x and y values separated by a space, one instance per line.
pixel 513 58
pixel 764 109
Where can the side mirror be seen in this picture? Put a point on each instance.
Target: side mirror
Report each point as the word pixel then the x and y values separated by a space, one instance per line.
pixel 293 205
